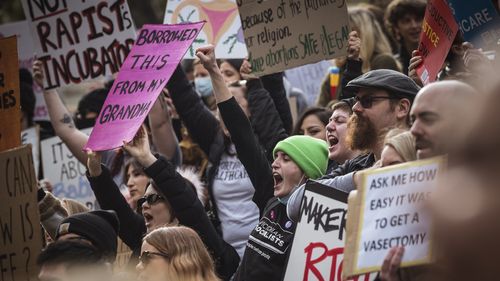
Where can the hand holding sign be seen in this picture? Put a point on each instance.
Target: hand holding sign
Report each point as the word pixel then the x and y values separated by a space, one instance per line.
pixel 94 163
pixel 415 62
pixel 354 46
pixel 139 148
pixel 246 70
pixel 391 264
pixel 38 75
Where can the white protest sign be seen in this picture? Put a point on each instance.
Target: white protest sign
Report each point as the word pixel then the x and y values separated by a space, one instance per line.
pixel 318 245
pixel 26 53
pixel 223 27
pixel 65 172
pixel 80 39
pixel 32 136
pixel 284 34
pixel 308 78
pixel 391 214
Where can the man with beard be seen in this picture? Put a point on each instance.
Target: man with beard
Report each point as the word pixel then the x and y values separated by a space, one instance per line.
pixel 382 101
pixel 437 127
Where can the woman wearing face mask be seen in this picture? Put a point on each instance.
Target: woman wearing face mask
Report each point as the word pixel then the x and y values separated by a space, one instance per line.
pixel 297 158
pixel 228 181
pixel 175 254
pixel 170 199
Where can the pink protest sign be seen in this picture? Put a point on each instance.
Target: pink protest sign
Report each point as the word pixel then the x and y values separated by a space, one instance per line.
pixel 145 72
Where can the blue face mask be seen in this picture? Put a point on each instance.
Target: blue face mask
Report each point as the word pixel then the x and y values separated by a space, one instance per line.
pixel 204 86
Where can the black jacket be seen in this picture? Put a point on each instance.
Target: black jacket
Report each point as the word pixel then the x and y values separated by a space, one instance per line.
pixel 358 163
pixel 269 242
pixel 190 212
pixel 185 205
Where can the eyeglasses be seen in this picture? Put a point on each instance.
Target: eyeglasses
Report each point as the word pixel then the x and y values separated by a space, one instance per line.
pixel 151 199
pixel 367 101
pixel 147 256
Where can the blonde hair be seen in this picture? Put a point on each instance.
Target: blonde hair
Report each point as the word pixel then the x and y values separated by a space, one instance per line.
pixel 188 258
pixel 373 40
pixel 403 142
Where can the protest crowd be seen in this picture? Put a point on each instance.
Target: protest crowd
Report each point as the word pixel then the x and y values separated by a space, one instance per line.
pixel 231 143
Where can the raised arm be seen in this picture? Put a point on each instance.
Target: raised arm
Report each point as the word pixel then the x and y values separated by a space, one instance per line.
pixel 109 197
pixel 185 204
pixel 61 119
pixel 162 131
pixel 201 123
pixel 249 151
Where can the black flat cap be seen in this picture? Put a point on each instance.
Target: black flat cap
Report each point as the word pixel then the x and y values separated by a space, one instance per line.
pixel 392 81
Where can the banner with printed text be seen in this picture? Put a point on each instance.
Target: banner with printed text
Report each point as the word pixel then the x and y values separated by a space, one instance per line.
pixel 284 34
pixel 153 59
pixel 479 22
pixel 26 52
pixel 21 239
pixel 223 28
pixel 10 103
pixel 318 245
pixel 389 211
pixel 438 32
pixel 79 39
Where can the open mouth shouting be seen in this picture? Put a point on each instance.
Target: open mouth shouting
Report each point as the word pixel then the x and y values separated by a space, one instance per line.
pixel 278 180
pixel 332 141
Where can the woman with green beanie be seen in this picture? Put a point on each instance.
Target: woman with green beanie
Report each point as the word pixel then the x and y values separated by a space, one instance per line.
pixel 296 159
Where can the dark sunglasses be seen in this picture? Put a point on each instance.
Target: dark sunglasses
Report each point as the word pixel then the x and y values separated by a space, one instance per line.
pixel 151 199
pixel 367 101
pixel 147 256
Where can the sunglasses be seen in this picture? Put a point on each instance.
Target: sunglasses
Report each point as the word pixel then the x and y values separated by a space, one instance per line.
pixel 367 101
pixel 147 256
pixel 151 199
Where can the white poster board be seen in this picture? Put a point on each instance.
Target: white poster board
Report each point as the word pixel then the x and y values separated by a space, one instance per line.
pixel 308 78
pixel 80 39
pixel 318 245
pixel 392 214
pixel 32 136
pixel 223 27
pixel 66 173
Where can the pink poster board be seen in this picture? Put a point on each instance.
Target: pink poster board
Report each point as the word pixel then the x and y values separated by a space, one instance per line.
pixel 145 72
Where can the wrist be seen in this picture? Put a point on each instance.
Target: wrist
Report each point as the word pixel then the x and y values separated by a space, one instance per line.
pixel 146 160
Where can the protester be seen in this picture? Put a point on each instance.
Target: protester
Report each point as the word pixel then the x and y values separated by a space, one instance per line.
pixel 228 182
pixel 230 69
pixel 336 132
pixel 404 19
pixel 399 147
pixel 436 130
pixel 170 199
pixel 99 228
pixel 375 51
pixel 297 158
pixel 73 260
pixel 176 254
pixel 312 123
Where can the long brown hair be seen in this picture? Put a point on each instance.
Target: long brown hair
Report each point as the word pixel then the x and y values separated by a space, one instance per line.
pixel 188 259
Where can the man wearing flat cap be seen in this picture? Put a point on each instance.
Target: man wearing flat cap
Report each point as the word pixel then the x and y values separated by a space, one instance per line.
pixel 382 101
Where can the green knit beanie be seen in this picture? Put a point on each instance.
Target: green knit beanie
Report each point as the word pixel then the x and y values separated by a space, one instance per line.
pixel 310 154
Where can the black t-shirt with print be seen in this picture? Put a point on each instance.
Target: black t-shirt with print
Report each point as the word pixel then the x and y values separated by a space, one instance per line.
pixel 268 246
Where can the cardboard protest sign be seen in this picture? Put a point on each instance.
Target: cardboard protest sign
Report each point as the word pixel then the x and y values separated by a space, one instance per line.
pixel 32 136
pixel 26 53
pixel 387 212
pixel 308 78
pixel 281 35
pixel 479 22
pixel 438 32
pixel 21 239
pixel 144 74
pixel 223 28
pixel 66 173
pixel 10 102
pixel 318 244
pixel 80 39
